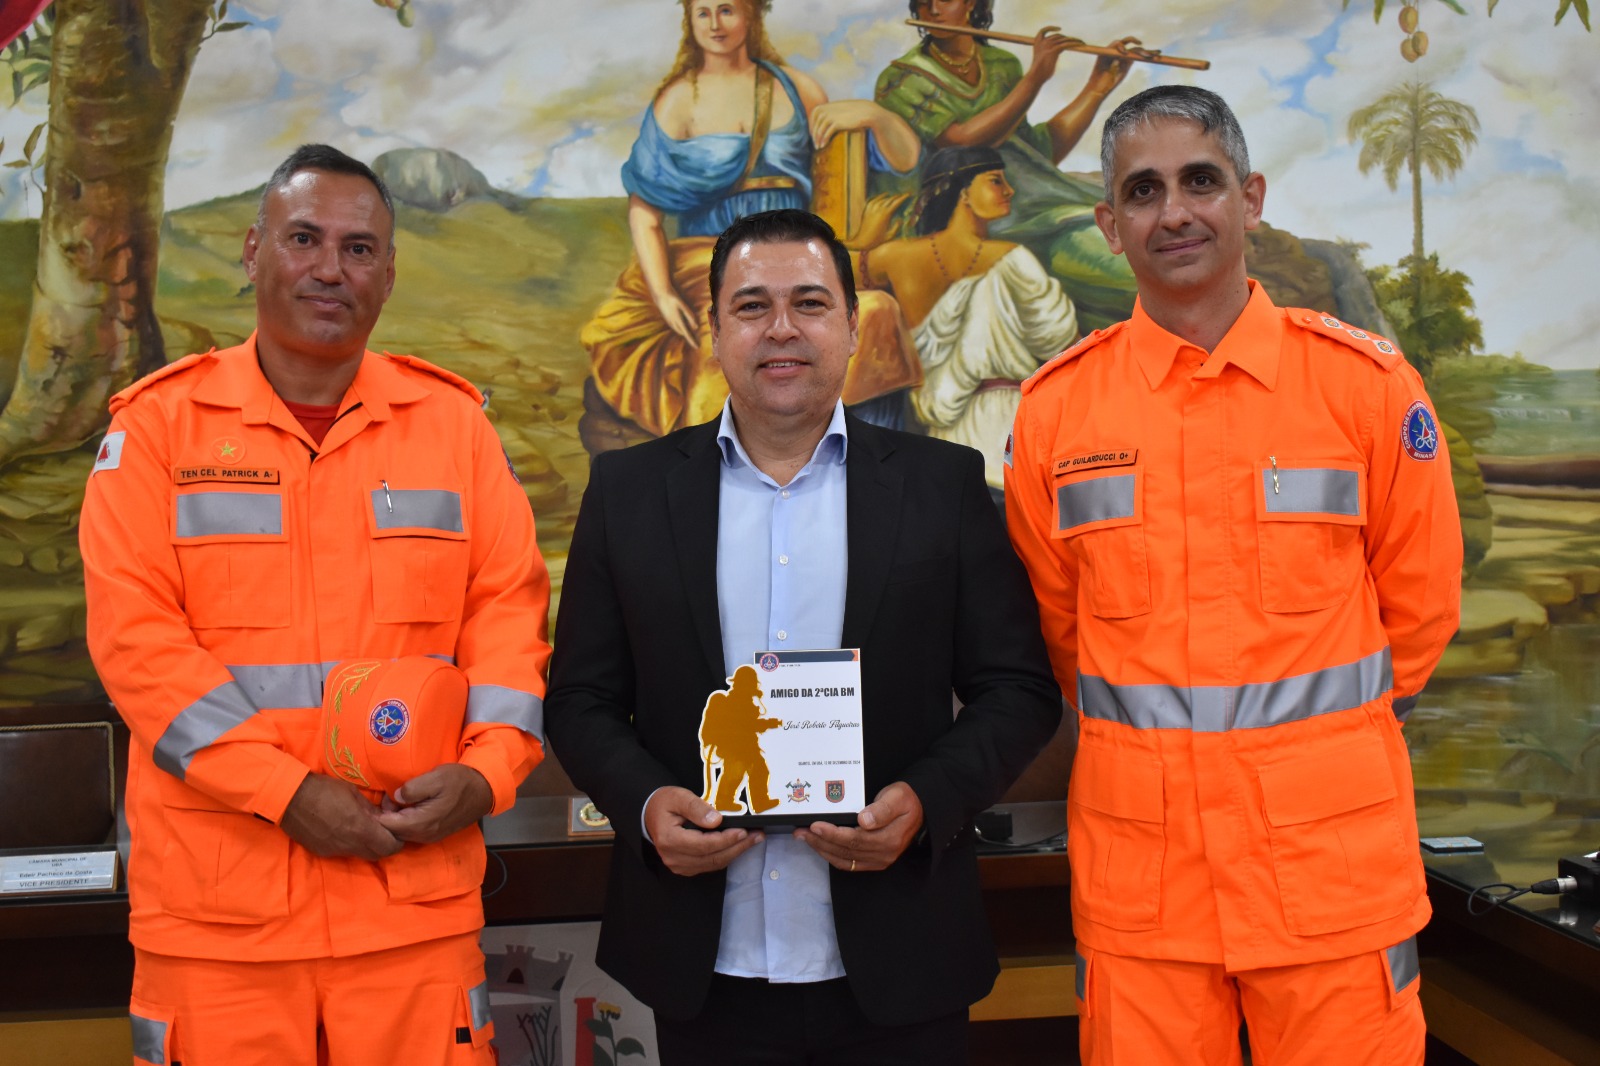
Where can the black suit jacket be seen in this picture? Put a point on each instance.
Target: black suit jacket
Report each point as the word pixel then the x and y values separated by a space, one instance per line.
pixel 936 600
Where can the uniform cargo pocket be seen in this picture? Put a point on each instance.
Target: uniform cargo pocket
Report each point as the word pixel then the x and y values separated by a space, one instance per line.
pixel 1103 520
pixel 419 873
pixel 476 1018
pixel 1116 837
pixel 1340 853
pixel 154 1032
pixel 1309 530
pixel 220 865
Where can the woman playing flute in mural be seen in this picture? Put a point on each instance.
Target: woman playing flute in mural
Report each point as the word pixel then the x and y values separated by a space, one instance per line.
pixel 730 132
pixel 984 312
pixel 957 90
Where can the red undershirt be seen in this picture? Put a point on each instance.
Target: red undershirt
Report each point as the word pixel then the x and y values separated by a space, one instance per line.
pixel 315 418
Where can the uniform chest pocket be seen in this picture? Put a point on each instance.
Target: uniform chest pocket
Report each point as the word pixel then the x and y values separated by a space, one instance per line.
pixel 1103 518
pixel 419 555
pixel 1309 522
pixel 235 558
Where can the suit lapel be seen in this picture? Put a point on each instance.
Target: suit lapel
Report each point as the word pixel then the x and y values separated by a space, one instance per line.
pixel 872 501
pixel 693 491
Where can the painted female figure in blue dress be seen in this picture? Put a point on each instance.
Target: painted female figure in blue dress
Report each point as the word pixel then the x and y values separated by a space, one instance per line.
pixel 731 132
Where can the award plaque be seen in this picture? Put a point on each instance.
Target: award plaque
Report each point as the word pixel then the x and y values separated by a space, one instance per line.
pixel 781 745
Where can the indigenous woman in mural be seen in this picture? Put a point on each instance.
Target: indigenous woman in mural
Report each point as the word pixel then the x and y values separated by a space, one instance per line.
pixel 984 312
pixel 957 90
pixel 730 132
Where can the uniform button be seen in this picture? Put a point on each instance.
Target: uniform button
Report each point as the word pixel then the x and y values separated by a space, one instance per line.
pixel 785 494
pixel 783 634
pixel 783 560
pixel 773 875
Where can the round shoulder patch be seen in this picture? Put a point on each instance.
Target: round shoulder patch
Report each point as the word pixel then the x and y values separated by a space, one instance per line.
pixel 1420 434
pixel 389 721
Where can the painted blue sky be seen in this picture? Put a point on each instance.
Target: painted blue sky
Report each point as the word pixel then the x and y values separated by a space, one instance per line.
pixel 546 97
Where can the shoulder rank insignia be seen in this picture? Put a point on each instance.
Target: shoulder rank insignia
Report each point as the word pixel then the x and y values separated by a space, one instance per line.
pixel 1380 350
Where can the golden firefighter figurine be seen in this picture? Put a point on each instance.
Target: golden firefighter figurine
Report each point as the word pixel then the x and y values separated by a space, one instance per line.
pixel 730 729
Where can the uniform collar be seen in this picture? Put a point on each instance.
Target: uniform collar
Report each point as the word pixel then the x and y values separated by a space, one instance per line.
pixel 238 382
pixel 1252 343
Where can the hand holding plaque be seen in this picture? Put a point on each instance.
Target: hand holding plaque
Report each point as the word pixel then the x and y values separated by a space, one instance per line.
pixel 886 827
pixel 793 717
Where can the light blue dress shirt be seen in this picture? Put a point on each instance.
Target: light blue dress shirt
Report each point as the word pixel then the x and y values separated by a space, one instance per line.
pixel 781 565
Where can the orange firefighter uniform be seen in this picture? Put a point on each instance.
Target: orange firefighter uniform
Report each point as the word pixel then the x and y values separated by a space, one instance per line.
pixel 230 563
pixel 1247 563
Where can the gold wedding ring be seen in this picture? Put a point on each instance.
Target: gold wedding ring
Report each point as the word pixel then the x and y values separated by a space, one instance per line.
pixel 852 866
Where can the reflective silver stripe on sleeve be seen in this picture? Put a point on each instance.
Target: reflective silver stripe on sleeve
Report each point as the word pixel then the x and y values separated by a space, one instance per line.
pixel 1218 708
pixel 212 514
pixel 286 685
pixel 417 509
pixel 1095 500
pixel 506 706
pixel 1081 976
pixel 478 1001
pixel 1312 491
pixel 199 725
pixel 1403 964
pixel 149 1038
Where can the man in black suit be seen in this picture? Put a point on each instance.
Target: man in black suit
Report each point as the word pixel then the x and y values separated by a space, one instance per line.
pixel 789 524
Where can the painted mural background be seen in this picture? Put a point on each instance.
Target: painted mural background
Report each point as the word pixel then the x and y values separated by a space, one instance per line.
pixel 148 127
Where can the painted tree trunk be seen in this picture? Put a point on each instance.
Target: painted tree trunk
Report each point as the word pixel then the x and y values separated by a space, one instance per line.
pixel 1416 202
pixel 1416 216
pixel 119 69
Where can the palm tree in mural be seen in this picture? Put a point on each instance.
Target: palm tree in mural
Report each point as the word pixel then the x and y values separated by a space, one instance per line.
pixel 1412 126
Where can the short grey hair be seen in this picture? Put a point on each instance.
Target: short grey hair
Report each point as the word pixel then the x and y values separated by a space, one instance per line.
pixel 1174 101
pixel 330 160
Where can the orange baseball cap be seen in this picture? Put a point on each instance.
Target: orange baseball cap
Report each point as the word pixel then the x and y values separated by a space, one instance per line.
pixel 384 721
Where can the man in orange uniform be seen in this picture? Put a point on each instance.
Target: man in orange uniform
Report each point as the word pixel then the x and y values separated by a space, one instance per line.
pixel 1240 525
pixel 256 515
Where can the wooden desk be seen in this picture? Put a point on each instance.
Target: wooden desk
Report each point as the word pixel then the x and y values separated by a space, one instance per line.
pixel 60 953
pixel 537 874
pixel 1516 987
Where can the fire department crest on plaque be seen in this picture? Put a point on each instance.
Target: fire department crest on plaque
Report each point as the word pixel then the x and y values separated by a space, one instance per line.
pixel 834 790
pixel 798 791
